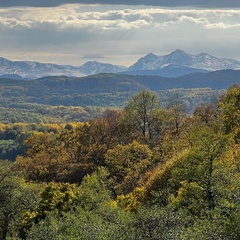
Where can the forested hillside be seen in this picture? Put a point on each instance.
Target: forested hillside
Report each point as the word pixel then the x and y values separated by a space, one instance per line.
pixel 141 172
pixel 64 99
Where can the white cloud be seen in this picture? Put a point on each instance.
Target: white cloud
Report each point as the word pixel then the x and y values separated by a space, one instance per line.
pixel 79 30
pixel 70 16
pixel 222 25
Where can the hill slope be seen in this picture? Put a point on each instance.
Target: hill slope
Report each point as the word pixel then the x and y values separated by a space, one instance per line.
pixel 49 99
pixel 109 83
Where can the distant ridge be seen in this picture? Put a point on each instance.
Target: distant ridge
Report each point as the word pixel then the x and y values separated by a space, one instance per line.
pixel 168 71
pixel 13 76
pixel 109 83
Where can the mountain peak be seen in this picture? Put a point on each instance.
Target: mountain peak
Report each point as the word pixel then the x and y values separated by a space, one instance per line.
pixel 91 63
pixel 142 63
pixel 178 57
pixel 95 67
pixel 150 55
pixel 178 51
pixel 178 54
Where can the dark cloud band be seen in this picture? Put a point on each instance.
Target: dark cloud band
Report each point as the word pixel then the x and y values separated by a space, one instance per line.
pixel 162 3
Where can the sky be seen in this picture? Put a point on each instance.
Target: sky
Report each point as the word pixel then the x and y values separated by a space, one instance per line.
pixel 72 32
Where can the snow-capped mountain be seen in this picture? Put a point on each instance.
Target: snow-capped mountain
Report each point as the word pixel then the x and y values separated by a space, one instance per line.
pixel 203 61
pixel 175 64
pixel 28 69
pixel 93 67
pixel 32 70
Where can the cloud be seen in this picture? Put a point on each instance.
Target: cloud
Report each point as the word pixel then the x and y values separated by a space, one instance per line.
pixel 162 3
pixel 115 34
pixel 69 17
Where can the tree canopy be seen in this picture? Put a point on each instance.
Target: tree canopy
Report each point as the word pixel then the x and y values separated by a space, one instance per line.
pixel 143 172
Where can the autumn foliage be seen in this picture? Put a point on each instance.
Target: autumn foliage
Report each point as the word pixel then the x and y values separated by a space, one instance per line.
pixel 144 172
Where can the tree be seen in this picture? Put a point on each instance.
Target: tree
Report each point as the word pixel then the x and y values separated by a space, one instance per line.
pixel 16 197
pixel 139 112
pixel 127 164
pixel 57 198
pixel 46 158
pixel 206 113
pixel 196 173
pixel 94 190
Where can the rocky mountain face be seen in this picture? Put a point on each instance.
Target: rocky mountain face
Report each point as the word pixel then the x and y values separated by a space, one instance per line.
pixel 203 61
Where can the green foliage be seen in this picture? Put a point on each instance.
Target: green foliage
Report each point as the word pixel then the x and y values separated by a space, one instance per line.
pixel 95 190
pixel 16 197
pixel 139 112
pixel 52 198
pixel 63 99
pixel 146 172
pixel 160 223
pixel 9 149
pixel 112 224
pixel 230 111
pixel 127 164
pixel 40 113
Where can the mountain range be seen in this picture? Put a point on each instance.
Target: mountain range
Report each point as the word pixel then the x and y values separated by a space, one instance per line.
pixel 34 70
pixel 178 57
pixel 175 64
